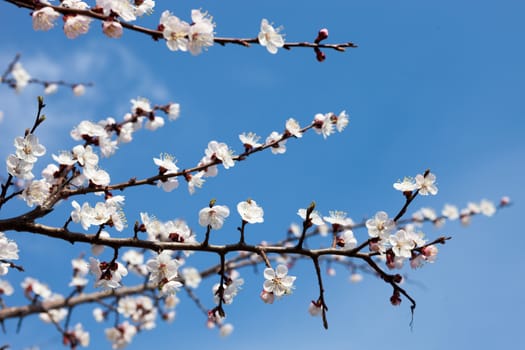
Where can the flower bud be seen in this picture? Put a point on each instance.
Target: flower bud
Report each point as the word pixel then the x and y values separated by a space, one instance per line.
pixel 79 90
pixel 112 29
pixel 319 55
pixel 323 34
pixel 268 298
pixel 395 299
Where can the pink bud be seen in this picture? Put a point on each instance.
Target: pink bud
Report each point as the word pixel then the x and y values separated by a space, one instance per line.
pixel 395 299
pixel 430 250
pixel 323 34
pixel 268 298
pixel 319 55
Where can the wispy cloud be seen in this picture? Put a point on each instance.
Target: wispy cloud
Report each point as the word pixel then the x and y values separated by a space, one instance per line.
pixel 117 73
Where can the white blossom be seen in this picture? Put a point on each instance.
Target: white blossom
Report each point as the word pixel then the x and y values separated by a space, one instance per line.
pixel 98 314
pixel 487 208
pixel 426 184
pixel 173 111
pixel 75 26
pixel 277 148
pixel 221 151
pixel 162 268
pixel 145 8
pixel 5 288
pixel 270 37
pixel 87 128
pixel 8 248
pixel 277 281
pixel 201 32
pixel 323 124
pixel 107 275
pixel 428 213
pixel 21 76
pixel 80 335
pixel 380 225
pixel 112 29
pixel 293 127
pixel 44 19
pixel 36 192
pixel 74 4
pixel 19 168
pixel 191 276
pixel 230 289
pixel 402 244
pixel 133 257
pixel 226 329
pixel 451 212
pixel 166 164
pixel 250 211
pixel 121 7
pixel 314 309
pixel 315 216
pixel 28 148
pixel 338 218
pixel 97 176
pixel 342 121
pixel 178 231
pixel 36 287
pixel 350 242
pixel 195 180
pixel 64 158
pixel 407 185
pixel 97 249
pixel 121 335
pixel 54 315
pixel 213 216
pixel 175 31
pixel 356 277
pixel 250 140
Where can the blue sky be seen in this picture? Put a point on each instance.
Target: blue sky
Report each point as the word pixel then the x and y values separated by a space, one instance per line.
pixel 434 85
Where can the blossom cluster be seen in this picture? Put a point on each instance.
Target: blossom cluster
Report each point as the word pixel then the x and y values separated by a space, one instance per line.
pixel 451 212
pixel 230 288
pixel 168 231
pixel 423 183
pixel 162 274
pixel 20 75
pixel 214 215
pixel 34 290
pixel 36 192
pixel 8 251
pixel 17 77
pixel 220 153
pixel 28 149
pixel 142 115
pixel 183 36
pixel 109 212
pixel 75 24
pixel 179 35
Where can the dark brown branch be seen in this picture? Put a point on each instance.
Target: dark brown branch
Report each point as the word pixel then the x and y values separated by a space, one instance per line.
pixel 157 34
pixel 393 280
pixel 10 67
pixel 22 311
pixel 320 300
